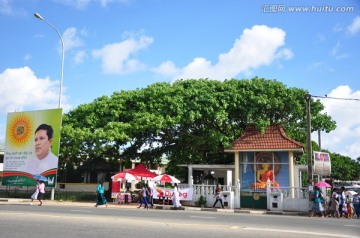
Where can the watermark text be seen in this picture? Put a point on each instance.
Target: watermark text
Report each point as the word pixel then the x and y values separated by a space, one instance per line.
pixel 282 8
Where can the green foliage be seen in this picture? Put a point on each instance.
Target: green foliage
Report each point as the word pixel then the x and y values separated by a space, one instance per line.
pixel 189 121
pixel 344 168
pixel 201 202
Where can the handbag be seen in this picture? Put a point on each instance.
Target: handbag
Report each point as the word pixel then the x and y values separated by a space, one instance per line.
pixel 34 195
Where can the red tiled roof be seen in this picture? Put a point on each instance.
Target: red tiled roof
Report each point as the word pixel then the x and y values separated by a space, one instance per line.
pixel 274 138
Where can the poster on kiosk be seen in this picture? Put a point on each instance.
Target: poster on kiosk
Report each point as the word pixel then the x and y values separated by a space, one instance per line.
pixel 322 163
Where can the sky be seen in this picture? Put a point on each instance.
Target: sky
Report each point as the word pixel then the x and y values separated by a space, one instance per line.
pixel 114 45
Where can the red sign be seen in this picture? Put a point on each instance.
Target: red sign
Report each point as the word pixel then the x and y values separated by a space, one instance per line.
pixel 115 189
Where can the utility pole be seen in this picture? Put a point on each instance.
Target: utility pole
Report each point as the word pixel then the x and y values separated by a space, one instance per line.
pixel 309 146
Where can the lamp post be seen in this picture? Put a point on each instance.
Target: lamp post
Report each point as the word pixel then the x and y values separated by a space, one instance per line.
pixel 37 15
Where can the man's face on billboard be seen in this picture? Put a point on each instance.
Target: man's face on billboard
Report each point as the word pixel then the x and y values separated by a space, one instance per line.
pixel 42 144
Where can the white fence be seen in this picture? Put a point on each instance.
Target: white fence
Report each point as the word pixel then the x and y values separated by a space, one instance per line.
pixel 292 198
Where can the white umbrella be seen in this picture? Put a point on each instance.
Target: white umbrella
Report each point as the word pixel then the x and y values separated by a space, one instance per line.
pixel 165 178
pixel 351 193
pixel 124 175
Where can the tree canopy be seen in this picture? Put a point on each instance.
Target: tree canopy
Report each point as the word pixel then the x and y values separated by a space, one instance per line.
pixel 188 121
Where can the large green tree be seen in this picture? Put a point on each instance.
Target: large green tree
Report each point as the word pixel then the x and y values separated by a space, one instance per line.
pixel 188 121
pixel 344 168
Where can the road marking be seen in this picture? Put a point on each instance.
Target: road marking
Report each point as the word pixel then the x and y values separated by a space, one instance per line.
pixel 234 227
pixel 202 217
pixel 79 211
pixel 301 232
pixel 352 225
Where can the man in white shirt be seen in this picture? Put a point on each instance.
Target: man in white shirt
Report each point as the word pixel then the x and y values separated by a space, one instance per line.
pixel 45 160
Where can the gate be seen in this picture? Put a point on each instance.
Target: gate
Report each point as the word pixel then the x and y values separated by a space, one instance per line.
pixel 254 199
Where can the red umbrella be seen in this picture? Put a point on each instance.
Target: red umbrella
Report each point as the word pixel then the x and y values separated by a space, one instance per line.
pixel 323 184
pixel 165 178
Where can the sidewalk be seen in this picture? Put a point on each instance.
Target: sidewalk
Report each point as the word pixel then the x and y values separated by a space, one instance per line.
pixel 156 206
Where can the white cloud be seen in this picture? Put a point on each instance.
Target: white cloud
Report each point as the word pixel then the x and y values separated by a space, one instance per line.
pixel 71 39
pixel 118 58
pixel 354 27
pixel 21 88
pixel 80 56
pixel 27 57
pixel 82 4
pixel 5 7
pixel 338 28
pixel 335 49
pixel 335 52
pixel 167 68
pixel 320 66
pixel 344 139
pixel 258 46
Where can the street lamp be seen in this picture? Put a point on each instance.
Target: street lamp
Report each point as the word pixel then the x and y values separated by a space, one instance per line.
pixel 37 15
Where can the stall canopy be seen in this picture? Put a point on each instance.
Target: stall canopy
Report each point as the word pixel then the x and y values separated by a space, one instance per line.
pixel 141 171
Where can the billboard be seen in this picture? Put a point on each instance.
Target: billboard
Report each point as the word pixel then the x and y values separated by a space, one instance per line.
pixel 32 145
pixel 322 163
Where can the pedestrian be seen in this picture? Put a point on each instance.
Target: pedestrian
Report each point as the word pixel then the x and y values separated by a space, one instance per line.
pixel 100 191
pixel 342 198
pixel 334 204
pixel 318 199
pixel 41 193
pixel 35 194
pixel 218 196
pixel 127 195
pixel 149 195
pixel 356 203
pixel 143 200
pixel 349 206
pixel 176 197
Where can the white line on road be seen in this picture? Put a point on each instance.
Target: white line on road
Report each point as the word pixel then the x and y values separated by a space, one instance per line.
pixel 79 211
pixel 301 232
pixel 202 217
pixel 353 225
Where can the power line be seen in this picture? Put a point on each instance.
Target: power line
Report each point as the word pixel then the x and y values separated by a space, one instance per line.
pixel 326 96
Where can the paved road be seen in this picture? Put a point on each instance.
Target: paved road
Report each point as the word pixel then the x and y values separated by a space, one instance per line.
pixel 63 219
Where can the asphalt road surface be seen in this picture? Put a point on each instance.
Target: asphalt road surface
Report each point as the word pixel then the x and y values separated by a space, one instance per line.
pixel 23 220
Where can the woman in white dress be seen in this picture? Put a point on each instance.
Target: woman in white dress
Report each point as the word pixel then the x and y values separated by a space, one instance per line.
pixel 176 197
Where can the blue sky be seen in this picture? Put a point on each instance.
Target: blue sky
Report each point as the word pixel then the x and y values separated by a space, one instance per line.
pixel 113 45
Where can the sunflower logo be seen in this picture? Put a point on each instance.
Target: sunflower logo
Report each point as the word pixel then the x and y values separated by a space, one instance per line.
pixel 20 130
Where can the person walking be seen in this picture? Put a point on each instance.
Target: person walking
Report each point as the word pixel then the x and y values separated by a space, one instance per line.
pixel 143 199
pixel 100 191
pixel 349 206
pixel 176 197
pixel 318 198
pixel 149 194
pixel 41 194
pixel 334 204
pixel 342 204
pixel 356 203
pixel 218 196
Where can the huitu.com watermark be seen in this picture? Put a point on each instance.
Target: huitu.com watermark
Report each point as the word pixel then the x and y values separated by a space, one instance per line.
pixel 281 8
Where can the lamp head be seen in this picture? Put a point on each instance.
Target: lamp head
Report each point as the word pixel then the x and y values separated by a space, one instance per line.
pixel 37 15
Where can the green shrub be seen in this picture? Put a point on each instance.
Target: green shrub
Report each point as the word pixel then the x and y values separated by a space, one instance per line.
pixel 201 202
